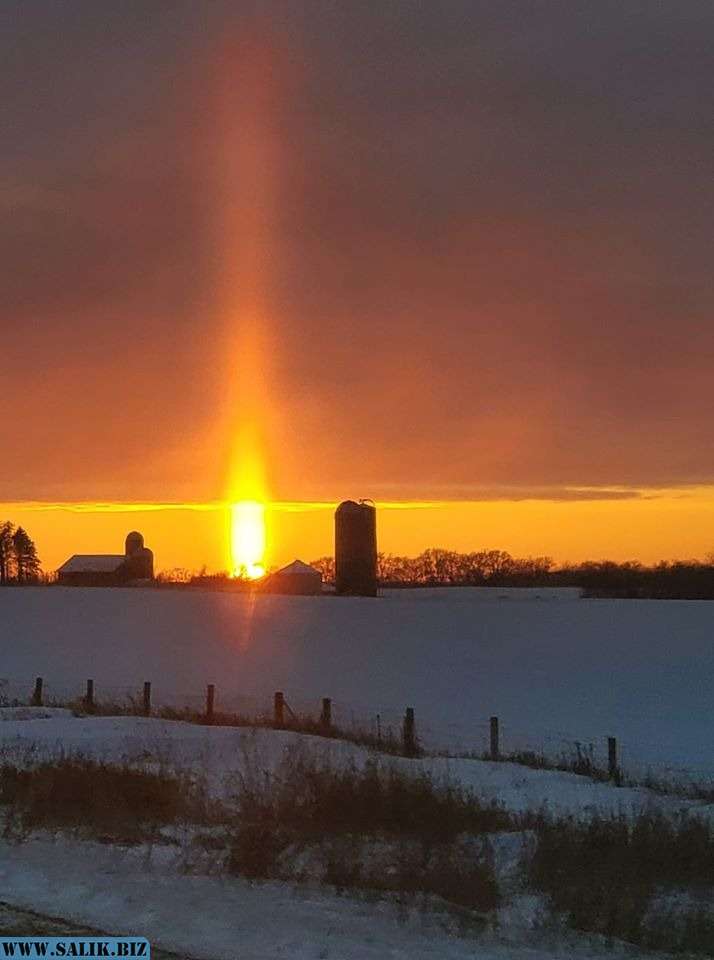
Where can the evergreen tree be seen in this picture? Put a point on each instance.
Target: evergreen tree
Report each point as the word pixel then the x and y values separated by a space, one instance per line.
pixel 7 552
pixel 27 563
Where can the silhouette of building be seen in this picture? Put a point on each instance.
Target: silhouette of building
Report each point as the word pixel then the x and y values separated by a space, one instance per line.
pixel 109 570
pixel 356 549
pixel 297 578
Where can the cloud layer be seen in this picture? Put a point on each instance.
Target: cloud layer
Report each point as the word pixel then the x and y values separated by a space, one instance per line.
pixel 487 262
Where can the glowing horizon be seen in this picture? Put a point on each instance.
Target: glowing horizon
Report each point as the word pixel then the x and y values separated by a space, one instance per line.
pixel 645 524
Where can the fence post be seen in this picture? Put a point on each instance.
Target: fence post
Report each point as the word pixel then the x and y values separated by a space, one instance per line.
pixel 36 700
pixel 408 733
pixel 495 745
pixel 279 710
pixel 89 696
pixel 147 698
pixel 326 715
pixel 612 768
pixel 210 697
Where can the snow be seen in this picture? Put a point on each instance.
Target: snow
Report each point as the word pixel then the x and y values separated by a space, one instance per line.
pixel 481 594
pixel 143 892
pixel 175 895
pixel 92 563
pixel 219 754
pixel 33 713
pixel 554 671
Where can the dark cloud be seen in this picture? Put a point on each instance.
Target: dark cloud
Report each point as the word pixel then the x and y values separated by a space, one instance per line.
pixel 491 260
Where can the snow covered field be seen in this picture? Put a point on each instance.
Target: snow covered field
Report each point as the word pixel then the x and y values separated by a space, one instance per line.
pixel 553 670
pixel 182 902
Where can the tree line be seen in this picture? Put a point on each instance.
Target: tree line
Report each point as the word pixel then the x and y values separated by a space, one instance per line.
pixel 19 562
pixel 667 580
pixel 435 567
pixel 692 579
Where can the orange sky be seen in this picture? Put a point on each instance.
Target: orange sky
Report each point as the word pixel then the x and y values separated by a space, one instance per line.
pixel 656 525
pixel 459 256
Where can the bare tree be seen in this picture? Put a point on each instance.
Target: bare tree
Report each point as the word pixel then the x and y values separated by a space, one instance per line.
pixel 326 566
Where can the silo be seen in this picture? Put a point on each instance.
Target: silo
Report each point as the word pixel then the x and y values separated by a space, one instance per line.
pixel 356 549
pixel 134 543
pixel 139 563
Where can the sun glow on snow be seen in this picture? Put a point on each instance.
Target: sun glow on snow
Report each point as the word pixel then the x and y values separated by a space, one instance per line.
pixel 248 539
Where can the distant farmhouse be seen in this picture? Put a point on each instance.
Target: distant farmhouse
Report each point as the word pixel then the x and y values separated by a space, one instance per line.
pixel 109 570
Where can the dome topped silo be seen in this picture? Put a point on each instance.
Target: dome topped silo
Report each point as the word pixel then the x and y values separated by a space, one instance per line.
pixel 139 563
pixel 134 543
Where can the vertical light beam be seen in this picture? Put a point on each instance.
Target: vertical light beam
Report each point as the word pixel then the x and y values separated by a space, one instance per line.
pixel 248 539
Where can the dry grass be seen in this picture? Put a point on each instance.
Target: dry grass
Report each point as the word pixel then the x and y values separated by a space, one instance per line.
pixel 121 803
pixel 366 828
pixel 606 876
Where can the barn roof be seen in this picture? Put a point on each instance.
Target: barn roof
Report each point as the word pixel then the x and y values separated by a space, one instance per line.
pixel 298 568
pixel 92 563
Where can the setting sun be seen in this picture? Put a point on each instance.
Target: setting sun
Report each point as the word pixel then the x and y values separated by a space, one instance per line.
pixel 248 539
pixel 247 534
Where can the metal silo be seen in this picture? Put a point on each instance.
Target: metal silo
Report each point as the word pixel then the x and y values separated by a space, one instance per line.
pixel 356 549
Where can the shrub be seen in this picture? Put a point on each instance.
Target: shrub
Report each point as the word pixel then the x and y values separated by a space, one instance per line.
pixel 604 876
pixel 345 814
pixel 408 867
pixel 313 798
pixel 580 760
pixel 255 850
pixel 114 802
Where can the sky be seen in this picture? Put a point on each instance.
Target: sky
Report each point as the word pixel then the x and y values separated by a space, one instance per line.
pixel 455 254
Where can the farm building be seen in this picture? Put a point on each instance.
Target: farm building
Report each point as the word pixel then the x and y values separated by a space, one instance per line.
pixel 297 578
pixel 356 548
pixel 109 570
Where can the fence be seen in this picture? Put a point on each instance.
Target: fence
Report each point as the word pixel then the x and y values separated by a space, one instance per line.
pixel 392 729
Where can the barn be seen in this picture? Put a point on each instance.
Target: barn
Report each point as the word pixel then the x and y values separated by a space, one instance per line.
pixel 107 569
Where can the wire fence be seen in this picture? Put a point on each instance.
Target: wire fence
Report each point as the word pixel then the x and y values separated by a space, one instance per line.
pixel 636 762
